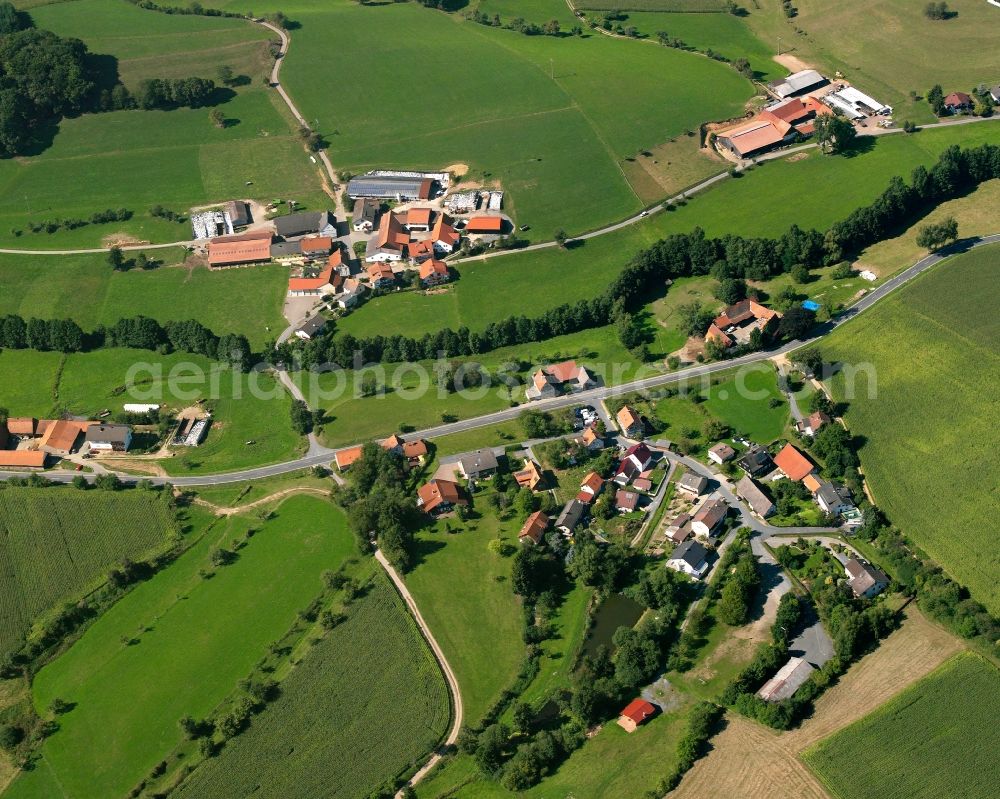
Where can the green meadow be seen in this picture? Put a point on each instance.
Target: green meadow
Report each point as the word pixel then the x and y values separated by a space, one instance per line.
pixel 177 645
pixel 84 288
pixel 137 159
pixel 756 204
pixel 550 118
pixel 937 738
pixel 927 364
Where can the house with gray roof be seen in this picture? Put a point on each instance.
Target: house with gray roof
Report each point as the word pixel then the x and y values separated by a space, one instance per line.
pixel 864 579
pixel 759 502
pixel 692 483
pixel 787 681
pixel 834 498
pixel 797 83
pixel 689 558
pixel 365 215
pixel 570 516
pixel 308 223
pixel 478 464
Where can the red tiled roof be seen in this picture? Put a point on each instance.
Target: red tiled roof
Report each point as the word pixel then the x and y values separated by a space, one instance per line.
pixel 433 267
pixel 443 231
pixel 21 425
pixel 23 458
pixel 336 258
pixel 239 251
pixel 379 271
pixel 438 492
pixel 627 418
pixel 762 131
pixel 592 481
pixel 564 371
pixel 311 283
pixel 346 457
pixel 793 464
pixel 317 244
pixel 418 216
pixel 638 710
pixel 535 526
pixel 62 434
pixel 415 449
pixel 485 224
pixel 958 98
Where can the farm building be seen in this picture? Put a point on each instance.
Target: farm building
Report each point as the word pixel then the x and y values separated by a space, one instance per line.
pixel 109 437
pixel 759 502
pixel 287 253
pixel 440 496
pixel 307 223
pixel 799 112
pixel 792 463
pixel 434 272
pixel 60 436
pixel 419 219
pixel 689 558
pixel 534 528
pixel 391 187
pixel 444 238
pixel 551 380
pixel 308 329
pixel 864 579
pixel 250 248
pixel 191 432
pixel 22 459
pixel 345 457
pixel 239 213
pixel 485 225
pixel 22 426
pixel 737 322
pixel 364 216
pixel 787 681
pixel 756 136
pixel 316 246
pixel 390 243
pixel 315 284
pixel 797 83
pixel 854 104
pixel 636 713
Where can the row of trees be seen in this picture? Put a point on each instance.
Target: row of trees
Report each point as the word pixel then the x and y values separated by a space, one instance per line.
pixel 138 332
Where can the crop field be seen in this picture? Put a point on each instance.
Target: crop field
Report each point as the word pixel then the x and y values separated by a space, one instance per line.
pixel 190 640
pixel 84 288
pixel 376 660
pixel 937 738
pixel 862 39
pixel 137 159
pixel 463 591
pixel 489 289
pixel 934 345
pixel 56 542
pixel 526 111
pixel 749 760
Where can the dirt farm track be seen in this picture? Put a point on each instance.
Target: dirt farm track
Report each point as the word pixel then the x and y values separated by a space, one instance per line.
pixel 749 760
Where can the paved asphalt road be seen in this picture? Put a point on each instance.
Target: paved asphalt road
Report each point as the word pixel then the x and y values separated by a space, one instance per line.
pixel 322 455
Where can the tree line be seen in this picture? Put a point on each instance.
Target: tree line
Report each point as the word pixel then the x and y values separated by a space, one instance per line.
pixel 729 257
pixel 136 332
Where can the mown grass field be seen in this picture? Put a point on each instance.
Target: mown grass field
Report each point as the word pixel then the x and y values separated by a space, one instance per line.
pixel 492 289
pixel 925 417
pixel 526 111
pixel 137 159
pixel 245 407
pixel 537 11
pixel 371 674
pixel 84 288
pixel 464 593
pixel 937 738
pixel 194 639
pixel 57 542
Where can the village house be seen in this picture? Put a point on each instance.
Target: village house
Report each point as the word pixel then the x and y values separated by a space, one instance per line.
pixel 787 681
pixel 792 463
pixel 958 102
pixel 307 223
pixel 591 440
pixel 759 502
pixel 365 215
pixel 440 496
pixel 689 558
pixel 479 464
pixel 530 476
pixel 390 243
pixel 812 423
pixel 393 444
pixel 709 517
pixel 756 461
pixel 415 452
pixel 735 324
pixel 679 530
pixel 108 437
pixel 381 276
pixel 630 423
pixel 444 237
pixel 864 579
pixel 626 501
pixel 315 247
pixel 250 248
pixel 692 484
pixel 60 436
pixel 534 528
pixel 552 380
pixel 570 516
pixel 314 284
pixel 345 457
pixel 834 498
pixel 590 488
pixel 434 272
pixel 721 453
pixel 636 713
pixel 634 462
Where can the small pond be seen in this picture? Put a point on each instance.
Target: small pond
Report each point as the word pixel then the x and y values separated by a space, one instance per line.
pixel 615 611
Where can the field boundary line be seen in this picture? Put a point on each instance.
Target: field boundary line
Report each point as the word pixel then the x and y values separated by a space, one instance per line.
pixel 453 688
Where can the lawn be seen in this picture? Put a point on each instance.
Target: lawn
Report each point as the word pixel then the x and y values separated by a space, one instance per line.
pixel 937 738
pixel 58 542
pixel 137 159
pixel 464 592
pixel 334 750
pixel 84 288
pixel 931 346
pixel 490 290
pixel 192 639
pixel 524 111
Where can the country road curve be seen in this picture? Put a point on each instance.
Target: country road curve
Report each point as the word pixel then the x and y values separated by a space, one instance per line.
pixel 458 712
pixel 321 456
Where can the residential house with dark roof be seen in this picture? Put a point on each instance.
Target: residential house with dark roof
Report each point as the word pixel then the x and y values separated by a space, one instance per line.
pixel 864 579
pixel 365 215
pixel 307 223
pixel 570 516
pixel 679 530
pixel 756 461
pixel 478 464
pixel 693 484
pixel 834 498
pixel 709 517
pixel 751 493
pixel 108 437
pixel 690 558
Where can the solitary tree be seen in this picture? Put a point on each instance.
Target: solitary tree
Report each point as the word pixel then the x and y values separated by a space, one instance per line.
pixel 225 74
pixel 560 237
pixel 217 118
pixel 934 236
pixel 116 258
